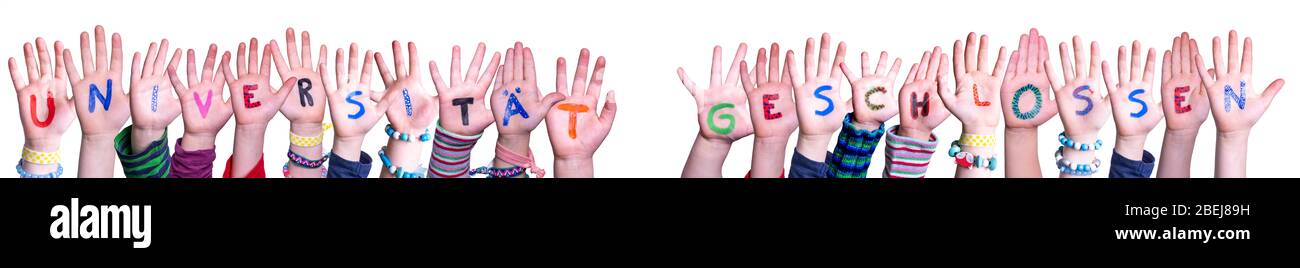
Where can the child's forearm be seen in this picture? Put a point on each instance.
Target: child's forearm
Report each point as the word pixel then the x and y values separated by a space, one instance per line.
pixel 705 161
pixel 812 146
pixel 1022 158
pixel 310 152
pixel 404 155
pixel 98 157
pixel 347 147
pixel 769 157
pixel 1230 154
pixel 1130 147
pixel 247 154
pixel 515 143
pixel 579 167
pixel 1176 154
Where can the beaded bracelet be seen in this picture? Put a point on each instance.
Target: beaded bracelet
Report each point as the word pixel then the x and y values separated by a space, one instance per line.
pixel 41 158
pixel 970 160
pixel 493 172
pixel 392 133
pixel 396 170
pixel 1076 169
pixel 22 173
pixel 1083 147
pixel 977 140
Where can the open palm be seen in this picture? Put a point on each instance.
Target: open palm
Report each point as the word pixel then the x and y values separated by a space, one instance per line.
pixel 354 108
pixel 42 95
pixel 202 113
pixel 769 93
pixel 516 102
pixel 405 86
pixel 1087 110
pixel 1026 84
pixel 105 78
pixel 575 129
pixel 1185 103
pixel 921 91
pixel 977 85
pixel 1133 119
pixel 1242 105
pixel 722 108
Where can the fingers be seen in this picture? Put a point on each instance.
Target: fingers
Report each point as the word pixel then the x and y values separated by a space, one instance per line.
pixel 241 65
pixel 73 76
pixel 265 68
pixel 280 65
pixel 1247 57
pixel 745 82
pixel 893 70
pixel 208 63
pixel 44 56
pixel 790 70
pixel 59 70
pixel 253 60
pixel 999 68
pixel 839 58
pixel 1150 73
pixel 439 85
pixel 365 69
pixel 191 71
pixel 135 68
pixel 550 100
pixel 1067 65
pixel 1094 62
pixel 973 56
pixel 148 65
pixel 580 76
pixel 1035 52
pixel 1106 76
pixel 456 77
pixel 399 61
pixel 809 63
pixel 608 112
pixel 774 63
pixel 283 93
pixel 530 67
pixel 487 77
pixel 959 56
pixel 101 50
pixel 982 65
pixel 1272 90
pixel 824 56
pixel 1136 62
pixel 177 85
pixel 1219 65
pixel 223 68
pixel 87 60
pixel 760 68
pixel 686 80
pixel 383 69
pixel 17 78
pixel 853 78
pixel 30 56
pixel 306 50
pixel 325 78
pixel 1207 79
pixel 733 72
pixel 562 79
pixel 341 75
pixel 1166 66
pixel 508 70
pixel 1234 58
pixel 911 73
pixel 924 68
pixel 1023 52
pixel 477 63
pixel 597 78
pixel 938 61
pixel 1013 66
pixel 413 61
pixel 715 69
pixel 354 64
pixel 291 45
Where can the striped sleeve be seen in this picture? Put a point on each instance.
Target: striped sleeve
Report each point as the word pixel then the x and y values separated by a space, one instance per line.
pixel 153 162
pixel 907 157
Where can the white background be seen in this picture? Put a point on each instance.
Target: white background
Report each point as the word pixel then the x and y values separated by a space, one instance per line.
pixel 646 41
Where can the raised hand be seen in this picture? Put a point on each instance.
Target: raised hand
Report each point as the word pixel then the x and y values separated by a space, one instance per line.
pixel 203 109
pixel 977 86
pixel 1185 104
pixel 43 102
pixel 722 107
pixel 307 111
pixel 516 103
pixel 101 84
pixel 1139 113
pixel 878 83
pixel 464 110
pixel 924 82
pixel 354 107
pixel 769 91
pixel 256 101
pixel 1087 111
pixel 575 129
pixel 817 97
pixel 1026 104
pixel 1242 105
pixel 405 86
pixel 153 106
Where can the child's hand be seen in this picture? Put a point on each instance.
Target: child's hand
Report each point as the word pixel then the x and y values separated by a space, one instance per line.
pixel 973 103
pixel 406 87
pixel 817 93
pixel 203 109
pixel 463 109
pixel 1242 105
pixel 1185 103
pixel 310 106
pixel 918 96
pixel 153 106
pixel 575 129
pixel 1026 92
pixel 102 84
pixel 1137 118
pixel 44 106
pixel 1087 110
pixel 769 96
pixel 722 107
pixel 516 102
pixel 881 82
pixel 354 109
pixel 255 101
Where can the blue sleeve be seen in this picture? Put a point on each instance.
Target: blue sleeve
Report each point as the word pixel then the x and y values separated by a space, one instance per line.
pixel 802 167
pixel 1122 167
pixel 343 168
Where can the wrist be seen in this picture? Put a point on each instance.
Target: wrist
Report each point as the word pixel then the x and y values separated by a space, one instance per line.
pixel 44 144
pixel 1130 146
pixel 307 129
pixel 515 142
pixel 812 147
pixel 198 141
pixel 574 167
pixel 142 136
pixel 978 130
pixel 915 133
pixel 348 147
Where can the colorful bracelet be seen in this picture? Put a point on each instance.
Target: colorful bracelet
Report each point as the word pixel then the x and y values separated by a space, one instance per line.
pixel 493 172
pixel 970 160
pixel 323 171
pixel 1083 147
pixel 392 133
pixel 303 161
pixel 303 141
pixel 396 170
pixel 41 158
pixel 976 140
pixel 22 173
pixel 1076 169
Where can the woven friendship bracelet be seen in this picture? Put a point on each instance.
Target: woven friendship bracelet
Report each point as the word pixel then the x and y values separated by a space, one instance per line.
pixel 41 158
pixel 977 140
